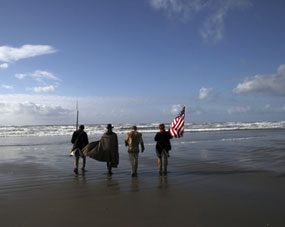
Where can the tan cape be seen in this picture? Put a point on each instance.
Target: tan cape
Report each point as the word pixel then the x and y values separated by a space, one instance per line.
pixel 105 150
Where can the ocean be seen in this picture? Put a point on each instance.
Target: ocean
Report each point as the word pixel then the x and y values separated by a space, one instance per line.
pixel 258 146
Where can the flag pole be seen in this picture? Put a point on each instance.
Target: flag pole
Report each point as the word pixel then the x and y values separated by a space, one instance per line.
pixel 77 114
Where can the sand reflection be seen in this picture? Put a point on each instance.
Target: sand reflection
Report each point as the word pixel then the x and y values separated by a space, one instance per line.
pixel 163 182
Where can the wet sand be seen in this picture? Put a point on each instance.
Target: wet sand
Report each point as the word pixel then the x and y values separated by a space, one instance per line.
pixel 215 179
pixel 193 194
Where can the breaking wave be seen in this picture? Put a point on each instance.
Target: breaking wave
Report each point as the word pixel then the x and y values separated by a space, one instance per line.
pixel 67 130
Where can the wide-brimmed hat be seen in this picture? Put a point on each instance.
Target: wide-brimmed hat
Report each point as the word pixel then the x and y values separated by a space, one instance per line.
pixel 109 126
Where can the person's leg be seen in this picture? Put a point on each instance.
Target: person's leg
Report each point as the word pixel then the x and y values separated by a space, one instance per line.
pixel 160 164
pixel 136 161
pixel 165 163
pixel 109 166
pixel 83 164
pixel 76 160
pixel 131 159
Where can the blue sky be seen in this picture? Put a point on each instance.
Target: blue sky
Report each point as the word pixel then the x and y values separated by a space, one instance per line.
pixel 136 61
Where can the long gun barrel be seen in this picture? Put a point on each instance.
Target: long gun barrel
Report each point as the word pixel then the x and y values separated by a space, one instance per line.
pixel 77 115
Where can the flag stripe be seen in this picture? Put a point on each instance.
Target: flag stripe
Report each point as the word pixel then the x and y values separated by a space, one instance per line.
pixel 177 125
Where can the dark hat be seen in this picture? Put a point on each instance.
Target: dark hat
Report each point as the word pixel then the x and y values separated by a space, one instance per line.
pixel 161 126
pixel 81 126
pixel 134 127
pixel 109 126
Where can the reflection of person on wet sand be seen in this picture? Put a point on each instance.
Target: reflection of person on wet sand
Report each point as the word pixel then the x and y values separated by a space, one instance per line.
pixel 162 182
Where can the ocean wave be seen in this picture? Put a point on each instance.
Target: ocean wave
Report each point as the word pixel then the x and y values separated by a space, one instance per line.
pixel 98 129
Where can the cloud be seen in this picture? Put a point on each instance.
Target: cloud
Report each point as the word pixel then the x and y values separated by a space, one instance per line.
pixel 204 92
pixel 45 75
pixel 12 54
pixel 23 113
pixel 184 8
pixel 267 107
pixel 22 109
pixel 239 110
pixel 7 86
pixel 38 75
pixel 213 27
pixel 175 109
pixel 4 66
pixel 20 76
pixel 214 13
pixel 44 89
pixel 32 109
pixel 264 84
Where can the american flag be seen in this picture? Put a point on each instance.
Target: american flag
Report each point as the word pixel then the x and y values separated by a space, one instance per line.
pixel 177 126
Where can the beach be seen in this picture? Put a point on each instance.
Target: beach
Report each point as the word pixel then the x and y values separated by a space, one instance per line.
pixel 220 178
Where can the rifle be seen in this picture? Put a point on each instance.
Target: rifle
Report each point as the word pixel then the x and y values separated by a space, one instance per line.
pixel 77 115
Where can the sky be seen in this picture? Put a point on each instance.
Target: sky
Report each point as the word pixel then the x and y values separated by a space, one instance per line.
pixel 140 61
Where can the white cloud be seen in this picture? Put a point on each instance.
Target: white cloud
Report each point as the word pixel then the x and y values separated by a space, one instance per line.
pixel 185 8
pixel 213 28
pixel 267 107
pixel 264 84
pixel 4 66
pixel 12 54
pixel 38 75
pixel 175 109
pixel 17 109
pixel 204 92
pixel 20 76
pixel 239 110
pixel 7 86
pixel 42 109
pixel 214 13
pixel 44 74
pixel 44 89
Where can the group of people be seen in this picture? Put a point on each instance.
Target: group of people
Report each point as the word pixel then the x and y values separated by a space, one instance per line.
pixel 107 149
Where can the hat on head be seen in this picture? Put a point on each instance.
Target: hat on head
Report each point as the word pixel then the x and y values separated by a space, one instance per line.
pixel 109 126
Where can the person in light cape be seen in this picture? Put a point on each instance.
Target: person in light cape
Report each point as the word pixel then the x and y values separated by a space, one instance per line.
pixel 105 150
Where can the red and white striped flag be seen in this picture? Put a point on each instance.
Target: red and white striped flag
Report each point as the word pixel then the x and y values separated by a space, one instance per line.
pixel 177 126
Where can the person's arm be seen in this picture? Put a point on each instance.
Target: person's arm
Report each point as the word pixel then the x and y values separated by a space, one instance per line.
pixel 142 144
pixel 169 135
pixel 87 140
pixel 156 137
pixel 73 138
pixel 127 140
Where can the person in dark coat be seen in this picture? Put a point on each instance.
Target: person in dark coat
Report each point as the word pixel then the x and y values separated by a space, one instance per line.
pixel 105 150
pixel 163 147
pixel 79 140
pixel 109 144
